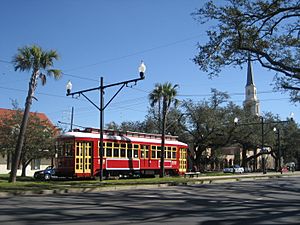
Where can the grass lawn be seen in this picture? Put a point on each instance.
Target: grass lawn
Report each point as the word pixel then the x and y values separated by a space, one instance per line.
pixel 29 184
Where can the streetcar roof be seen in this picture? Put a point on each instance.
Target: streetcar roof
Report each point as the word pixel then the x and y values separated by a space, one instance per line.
pixel 124 137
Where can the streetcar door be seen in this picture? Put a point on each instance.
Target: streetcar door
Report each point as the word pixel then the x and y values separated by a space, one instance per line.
pixel 83 158
pixel 145 156
pixel 182 160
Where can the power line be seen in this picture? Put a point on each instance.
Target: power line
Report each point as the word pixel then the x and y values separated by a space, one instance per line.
pixel 4 61
pixel 208 95
pixel 142 98
pixel 136 53
pixel 79 77
pixel 40 93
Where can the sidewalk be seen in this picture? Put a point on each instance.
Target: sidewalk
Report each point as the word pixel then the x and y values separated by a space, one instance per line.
pixel 202 179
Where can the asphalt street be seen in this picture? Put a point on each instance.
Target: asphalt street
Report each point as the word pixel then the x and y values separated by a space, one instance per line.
pixel 271 201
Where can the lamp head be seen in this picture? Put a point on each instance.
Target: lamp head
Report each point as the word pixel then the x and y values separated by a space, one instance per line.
pixel 292 116
pixel 69 87
pixel 142 69
pixel 236 121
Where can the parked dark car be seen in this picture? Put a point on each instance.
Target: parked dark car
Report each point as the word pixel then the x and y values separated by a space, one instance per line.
pixel 45 174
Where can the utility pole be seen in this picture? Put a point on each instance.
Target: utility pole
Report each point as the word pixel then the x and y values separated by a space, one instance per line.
pixel 101 88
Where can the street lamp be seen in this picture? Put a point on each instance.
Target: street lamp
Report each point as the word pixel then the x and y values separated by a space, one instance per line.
pixel 69 87
pixel 262 146
pixel 142 69
pixel 277 131
pixel 262 122
pixel 236 123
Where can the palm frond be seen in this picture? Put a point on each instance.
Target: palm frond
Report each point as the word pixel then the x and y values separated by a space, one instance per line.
pixel 43 78
pixel 55 73
pixel 22 60
pixel 33 57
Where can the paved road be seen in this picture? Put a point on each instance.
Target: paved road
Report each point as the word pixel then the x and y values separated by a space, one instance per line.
pixel 272 201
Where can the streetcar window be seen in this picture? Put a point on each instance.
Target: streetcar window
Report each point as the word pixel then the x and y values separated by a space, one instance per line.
pixel 108 152
pixel 68 149
pixel 153 155
pixel 169 154
pixel 77 150
pixel 109 144
pixel 129 153
pixel 173 155
pixel 136 154
pixel 123 145
pixel 89 150
pixel 145 151
pixel 116 152
pixel 147 154
pixel 123 152
pixel 158 154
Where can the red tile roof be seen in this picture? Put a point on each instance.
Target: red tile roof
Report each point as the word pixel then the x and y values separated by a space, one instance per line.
pixel 41 116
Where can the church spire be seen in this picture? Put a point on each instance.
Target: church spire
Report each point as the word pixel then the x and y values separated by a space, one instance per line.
pixel 250 80
pixel 251 102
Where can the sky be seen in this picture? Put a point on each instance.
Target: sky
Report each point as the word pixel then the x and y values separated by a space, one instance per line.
pixel 109 38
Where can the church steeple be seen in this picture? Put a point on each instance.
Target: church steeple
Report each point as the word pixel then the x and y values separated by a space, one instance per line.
pixel 249 73
pixel 251 102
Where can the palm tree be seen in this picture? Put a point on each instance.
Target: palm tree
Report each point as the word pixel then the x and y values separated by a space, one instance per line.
pixel 156 97
pixel 163 95
pixel 31 58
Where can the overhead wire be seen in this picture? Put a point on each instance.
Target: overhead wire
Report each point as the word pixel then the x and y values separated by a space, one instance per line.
pixel 137 52
pixel 143 97
pixel 145 91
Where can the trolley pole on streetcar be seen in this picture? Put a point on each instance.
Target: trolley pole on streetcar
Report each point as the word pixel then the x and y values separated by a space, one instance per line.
pixel 101 88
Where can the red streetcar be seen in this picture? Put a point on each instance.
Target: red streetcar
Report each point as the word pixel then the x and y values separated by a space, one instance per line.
pixel 125 154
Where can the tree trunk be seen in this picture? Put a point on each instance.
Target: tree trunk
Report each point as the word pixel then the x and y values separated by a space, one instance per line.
pixel 244 156
pixel 21 137
pixel 23 174
pixel 162 156
pixel 159 116
pixel 25 163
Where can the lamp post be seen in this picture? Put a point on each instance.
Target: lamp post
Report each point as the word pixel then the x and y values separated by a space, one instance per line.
pixel 142 69
pixel 277 132
pixel 236 122
pixel 262 146
pixel 262 123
